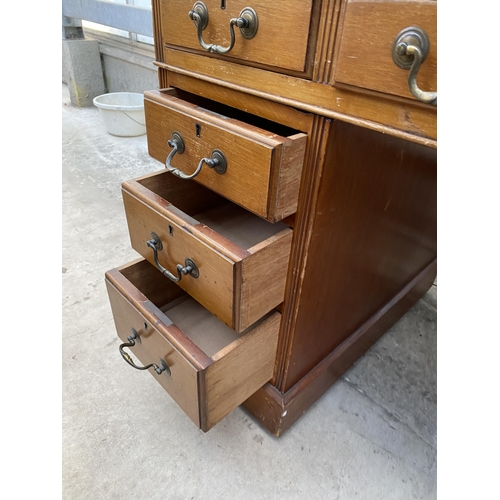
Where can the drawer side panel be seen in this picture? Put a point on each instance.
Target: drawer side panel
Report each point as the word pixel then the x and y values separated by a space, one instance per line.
pixel 240 370
pixel 284 196
pixel 264 275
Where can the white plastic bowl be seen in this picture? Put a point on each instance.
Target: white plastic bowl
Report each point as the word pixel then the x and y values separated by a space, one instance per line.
pixel 122 112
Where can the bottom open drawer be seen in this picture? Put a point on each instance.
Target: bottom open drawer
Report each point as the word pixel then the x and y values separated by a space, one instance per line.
pixel 206 367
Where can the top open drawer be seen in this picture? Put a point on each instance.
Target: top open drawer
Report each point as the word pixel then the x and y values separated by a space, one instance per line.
pixel 262 160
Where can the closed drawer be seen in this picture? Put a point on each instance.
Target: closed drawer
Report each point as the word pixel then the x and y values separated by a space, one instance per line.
pixel 368 33
pixel 241 260
pixel 208 369
pixel 263 159
pixel 281 39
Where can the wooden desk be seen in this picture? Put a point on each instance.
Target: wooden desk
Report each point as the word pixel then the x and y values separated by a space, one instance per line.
pixel 330 173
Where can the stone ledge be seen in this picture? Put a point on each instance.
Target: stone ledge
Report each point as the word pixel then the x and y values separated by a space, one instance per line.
pixel 118 47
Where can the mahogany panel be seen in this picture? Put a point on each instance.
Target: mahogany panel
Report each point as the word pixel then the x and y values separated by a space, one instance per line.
pixel 277 412
pixel 374 230
pixel 397 116
pixel 311 179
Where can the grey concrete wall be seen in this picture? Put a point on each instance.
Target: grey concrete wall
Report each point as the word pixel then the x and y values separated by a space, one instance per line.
pixel 82 70
pixel 126 70
pixel 103 63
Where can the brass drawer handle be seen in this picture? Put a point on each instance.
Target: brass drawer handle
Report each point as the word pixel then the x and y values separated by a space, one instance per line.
pixel 189 268
pixel 217 160
pixel 247 22
pixel 409 50
pixel 132 339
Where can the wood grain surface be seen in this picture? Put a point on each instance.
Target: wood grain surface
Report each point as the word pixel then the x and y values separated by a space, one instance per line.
pixel 263 276
pixel 263 167
pixel 373 229
pixel 240 369
pixel 206 387
pixel 269 110
pixel 404 118
pixel 281 40
pixel 310 183
pixel 214 286
pixel 277 412
pixel 224 277
pixel 365 52
pixel 128 307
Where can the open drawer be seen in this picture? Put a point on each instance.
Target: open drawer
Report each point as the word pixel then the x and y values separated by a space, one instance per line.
pixel 206 367
pixel 232 262
pixel 259 162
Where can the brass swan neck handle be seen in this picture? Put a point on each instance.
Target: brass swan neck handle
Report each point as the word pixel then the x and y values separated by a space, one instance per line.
pixel 409 50
pixel 247 22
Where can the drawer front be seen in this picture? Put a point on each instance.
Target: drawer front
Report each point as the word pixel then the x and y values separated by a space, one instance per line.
pixel 207 377
pixel 368 33
pixel 263 169
pixel 129 313
pixel 281 39
pixel 238 284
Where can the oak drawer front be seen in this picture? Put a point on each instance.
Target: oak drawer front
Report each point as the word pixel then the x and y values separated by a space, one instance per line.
pixel 368 33
pixel 241 260
pixel 281 39
pixel 263 167
pixel 208 369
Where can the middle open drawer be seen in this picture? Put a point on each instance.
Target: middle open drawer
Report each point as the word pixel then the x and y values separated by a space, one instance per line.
pixel 231 261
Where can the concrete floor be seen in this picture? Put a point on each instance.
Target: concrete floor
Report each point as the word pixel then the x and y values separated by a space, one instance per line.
pixel 371 436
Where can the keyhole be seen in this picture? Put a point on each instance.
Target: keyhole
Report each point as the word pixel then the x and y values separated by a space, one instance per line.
pixel 170 230
pixel 198 130
pixel 222 4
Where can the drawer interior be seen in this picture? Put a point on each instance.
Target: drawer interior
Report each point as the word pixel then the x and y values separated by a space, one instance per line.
pixel 202 327
pixel 239 226
pixel 224 111
pixel 234 223
pixel 199 325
